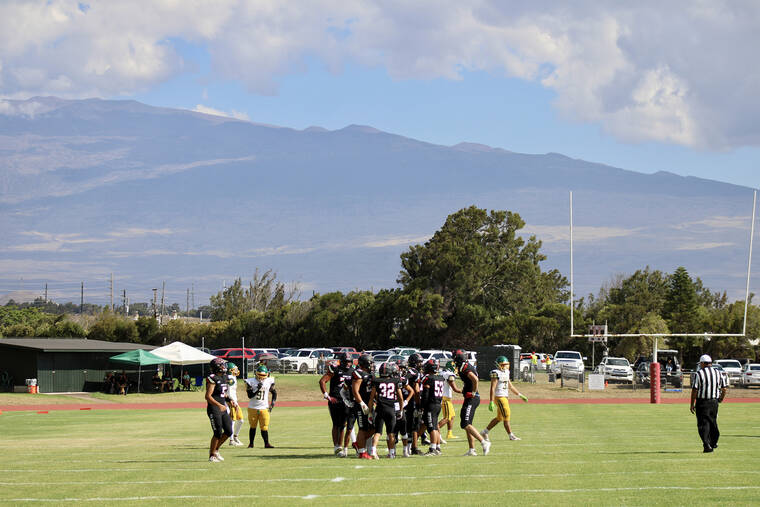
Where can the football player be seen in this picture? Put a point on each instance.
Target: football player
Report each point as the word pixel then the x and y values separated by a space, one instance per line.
pixel 361 388
pixel 384 399
pixel 258 390
pixel 500 387
pixel 469 378
pixel 235 411
pixel 338 374
pixel 217 388
pixel 447 407
pixel 431 395
pixel 412 410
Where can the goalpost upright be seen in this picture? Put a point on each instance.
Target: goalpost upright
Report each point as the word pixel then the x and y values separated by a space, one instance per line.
pixel 656 335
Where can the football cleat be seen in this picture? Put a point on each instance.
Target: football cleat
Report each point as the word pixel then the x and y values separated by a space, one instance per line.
pixel 213 459
pixel 337 451
pixel 470 452
pixel 218 456
pixel 486 446
pixel 485 435
pixel 406 453
pixel 268 446
pixel 430 453
pixel 512 436
pixel 443 441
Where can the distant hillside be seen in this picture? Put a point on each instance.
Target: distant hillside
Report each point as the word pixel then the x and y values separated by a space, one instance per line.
pixel 152 194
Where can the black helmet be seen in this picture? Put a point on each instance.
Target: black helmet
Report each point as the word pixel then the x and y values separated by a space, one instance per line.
pixel 460 357
pixel 218 365
pixel 415 360
pixel 430 366
pixel 342 358
pixel 365 361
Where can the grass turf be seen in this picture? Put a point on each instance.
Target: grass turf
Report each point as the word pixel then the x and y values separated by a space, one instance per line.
pixel 570 454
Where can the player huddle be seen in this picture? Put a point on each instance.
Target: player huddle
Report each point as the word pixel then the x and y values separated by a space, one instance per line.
pixel 406 400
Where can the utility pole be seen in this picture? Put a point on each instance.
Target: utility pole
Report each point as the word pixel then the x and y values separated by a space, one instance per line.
pixel 111 292
pixel 187 305
pixel 155 308
pixel 46 299
pixel 163 291
pixel 81 300
pixel 192 296
pixel 124 301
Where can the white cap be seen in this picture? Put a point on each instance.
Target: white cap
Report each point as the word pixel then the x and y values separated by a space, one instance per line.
pixel 704 358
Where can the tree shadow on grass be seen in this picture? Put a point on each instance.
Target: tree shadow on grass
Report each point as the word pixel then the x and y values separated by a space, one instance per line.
pixel 724 435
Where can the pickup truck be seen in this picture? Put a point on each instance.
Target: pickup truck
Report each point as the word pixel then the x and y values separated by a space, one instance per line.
pixel 569 361
pixel 304 360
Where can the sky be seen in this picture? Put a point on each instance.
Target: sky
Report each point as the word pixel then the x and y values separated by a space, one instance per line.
pixel 647 86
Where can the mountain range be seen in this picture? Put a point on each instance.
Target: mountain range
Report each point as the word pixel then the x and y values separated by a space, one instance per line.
pixel 90 188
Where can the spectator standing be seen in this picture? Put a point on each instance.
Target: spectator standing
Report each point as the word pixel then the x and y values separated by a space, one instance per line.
pixel 708 391
pixel 321 364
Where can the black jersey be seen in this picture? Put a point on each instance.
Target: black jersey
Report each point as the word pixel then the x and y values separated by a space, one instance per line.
pixel 468 386
pixel 411 379
pixel 431 390
pixel 385 390
pixel 365 387
pixel 221 386
pixel 341 376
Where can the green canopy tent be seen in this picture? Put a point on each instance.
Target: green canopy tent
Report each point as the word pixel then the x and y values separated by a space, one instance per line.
pixel 140 358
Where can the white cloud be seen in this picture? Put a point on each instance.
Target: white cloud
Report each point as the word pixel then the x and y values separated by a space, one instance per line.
pixel 559 233
pixel 718 223
pixel 68 242
pixel 215 112
pixel 697 245
pixel 664 71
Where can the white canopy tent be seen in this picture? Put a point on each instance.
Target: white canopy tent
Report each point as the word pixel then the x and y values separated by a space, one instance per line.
pixel 180 353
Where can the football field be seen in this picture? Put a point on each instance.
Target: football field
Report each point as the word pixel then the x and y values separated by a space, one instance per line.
pixel 627 454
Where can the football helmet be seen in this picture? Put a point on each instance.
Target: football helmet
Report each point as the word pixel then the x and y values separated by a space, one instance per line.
pixel 414 361
pixel 342 359
pixel 232 369
pixel 365 362
pixel 218 365
pixel 388 369
pixel 430 366
pixel 460 357
pixel 262 372
pixel 502 363
pixel 450 366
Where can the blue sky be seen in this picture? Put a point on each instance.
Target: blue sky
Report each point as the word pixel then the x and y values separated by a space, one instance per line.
pixel 647 86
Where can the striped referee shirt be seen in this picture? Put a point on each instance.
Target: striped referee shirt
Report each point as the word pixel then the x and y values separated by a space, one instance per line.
pixel 708 382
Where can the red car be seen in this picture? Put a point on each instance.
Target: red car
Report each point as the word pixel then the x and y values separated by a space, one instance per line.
pixel 234 353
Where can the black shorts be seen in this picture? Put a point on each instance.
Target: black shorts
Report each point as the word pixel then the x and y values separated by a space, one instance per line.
pixel 361 419
pixel 221 422
pixel 385 415
pixel 430 417
pixel 412 423
pixel 338 412
pixel 468 411
pixel 351 416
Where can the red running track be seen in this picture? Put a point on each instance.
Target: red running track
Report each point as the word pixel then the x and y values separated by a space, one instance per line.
pixel 196 405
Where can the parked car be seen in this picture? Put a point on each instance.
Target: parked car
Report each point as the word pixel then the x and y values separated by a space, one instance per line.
pixel 714 365
pixel 733 368
pixel 568 361
pixel 343 349
pixel 403 351
pixel 615 369
pixel 234 353
pixel 751 375
pixel 304 360
pixel 441 355
pixel 395 358
pixel 526 361
pixel 670 367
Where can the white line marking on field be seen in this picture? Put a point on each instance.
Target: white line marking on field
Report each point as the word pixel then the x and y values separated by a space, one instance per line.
pixel 370 478
pixel 411 493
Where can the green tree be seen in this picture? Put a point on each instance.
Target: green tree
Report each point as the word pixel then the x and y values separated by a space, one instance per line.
pixel 147 330
pixel 263 293
pixel 483 271
pixel 113 328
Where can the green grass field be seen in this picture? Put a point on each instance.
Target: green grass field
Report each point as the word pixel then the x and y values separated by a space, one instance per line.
pixel 569 455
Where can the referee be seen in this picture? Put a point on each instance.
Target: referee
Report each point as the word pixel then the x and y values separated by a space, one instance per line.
pixel 708 390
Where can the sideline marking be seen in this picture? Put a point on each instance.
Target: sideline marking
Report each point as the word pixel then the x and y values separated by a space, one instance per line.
pixel 412 493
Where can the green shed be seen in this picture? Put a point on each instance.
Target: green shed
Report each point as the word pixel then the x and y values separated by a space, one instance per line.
pixel 62 364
